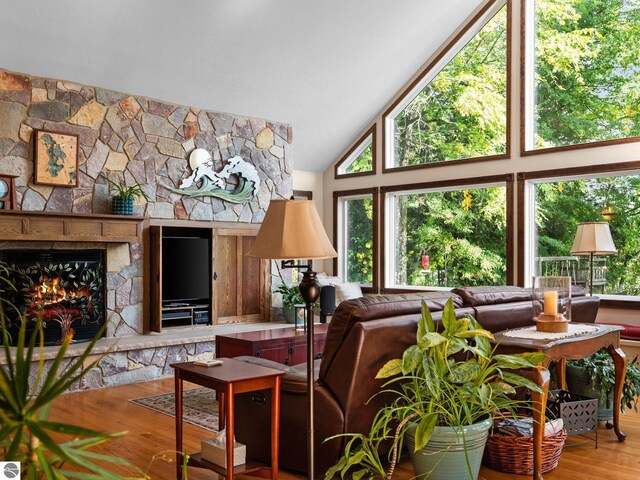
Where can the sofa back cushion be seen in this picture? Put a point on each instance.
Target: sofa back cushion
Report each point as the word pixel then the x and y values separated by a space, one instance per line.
pixel 474 296
pixel 375 307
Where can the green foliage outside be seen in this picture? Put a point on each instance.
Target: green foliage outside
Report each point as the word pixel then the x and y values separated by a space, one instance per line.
pixel 561 206
pixel 364 162
pixel 587 54
pixel 359 240
pixel 461 113
pixel 462 231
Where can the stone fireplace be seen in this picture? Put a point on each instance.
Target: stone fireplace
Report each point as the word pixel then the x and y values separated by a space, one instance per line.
pixel 65 288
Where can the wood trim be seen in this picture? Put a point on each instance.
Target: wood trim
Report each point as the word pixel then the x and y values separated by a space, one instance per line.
pixel 374 192
pixel 520 229
pixel 239 275
pixel 155 280
pixel 580 146
pixel 558 173
pixel 371 131
pixel 427 69
pixel 510 241
pixel 458 161
pixel 582 170
pixel 69 227
pixel 523 26
pixel 508 179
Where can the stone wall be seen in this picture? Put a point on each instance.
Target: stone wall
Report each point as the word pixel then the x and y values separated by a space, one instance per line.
pixel 136 140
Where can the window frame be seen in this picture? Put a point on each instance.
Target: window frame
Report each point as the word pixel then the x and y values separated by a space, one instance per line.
pixel 389 193
pixel 525 198
pixel 339 263
pixel 355 151
pixel 527 108
pixel 431 70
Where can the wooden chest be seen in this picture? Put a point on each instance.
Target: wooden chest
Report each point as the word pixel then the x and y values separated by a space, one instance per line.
pixel 282 345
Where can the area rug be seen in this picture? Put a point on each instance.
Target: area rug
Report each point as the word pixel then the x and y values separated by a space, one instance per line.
pixel 199 406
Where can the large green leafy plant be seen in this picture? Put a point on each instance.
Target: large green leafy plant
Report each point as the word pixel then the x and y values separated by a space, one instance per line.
pixel 47 449
pixel 449 378
pixel 601 373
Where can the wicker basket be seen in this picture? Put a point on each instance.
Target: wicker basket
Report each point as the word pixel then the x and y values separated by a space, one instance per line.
pixel 515 454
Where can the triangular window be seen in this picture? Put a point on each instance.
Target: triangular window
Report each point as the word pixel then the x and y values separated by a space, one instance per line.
pixel 360 159
pixel 458 107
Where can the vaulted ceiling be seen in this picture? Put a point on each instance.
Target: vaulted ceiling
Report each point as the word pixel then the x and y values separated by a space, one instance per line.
pixel 324 66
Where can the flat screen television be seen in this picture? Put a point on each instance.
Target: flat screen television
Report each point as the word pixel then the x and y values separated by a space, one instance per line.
pixel 186 269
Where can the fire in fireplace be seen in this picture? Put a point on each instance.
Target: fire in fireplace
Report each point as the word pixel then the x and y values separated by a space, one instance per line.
pixel 65 288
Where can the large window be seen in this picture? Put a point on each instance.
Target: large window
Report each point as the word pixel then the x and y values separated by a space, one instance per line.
pixel 355 231
pixel 458 109
pixel 446 237
pixel 582 72
pixel 559 205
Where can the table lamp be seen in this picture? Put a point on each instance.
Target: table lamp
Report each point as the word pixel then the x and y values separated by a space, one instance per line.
pixel 593 238
pixel 292 230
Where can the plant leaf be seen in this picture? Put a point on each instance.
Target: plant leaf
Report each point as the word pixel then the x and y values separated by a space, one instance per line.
pixel 424 430
pixel 390 369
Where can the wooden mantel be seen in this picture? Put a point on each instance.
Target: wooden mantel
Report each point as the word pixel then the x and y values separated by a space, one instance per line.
pixel 69 227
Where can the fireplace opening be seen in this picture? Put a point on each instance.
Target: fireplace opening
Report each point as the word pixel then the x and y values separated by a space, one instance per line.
pixel 66 288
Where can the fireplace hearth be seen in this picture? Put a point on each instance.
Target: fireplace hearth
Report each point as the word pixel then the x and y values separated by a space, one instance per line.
pixel 65 288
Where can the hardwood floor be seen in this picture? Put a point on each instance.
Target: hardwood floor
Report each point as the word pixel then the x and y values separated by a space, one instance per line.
pixel 152 434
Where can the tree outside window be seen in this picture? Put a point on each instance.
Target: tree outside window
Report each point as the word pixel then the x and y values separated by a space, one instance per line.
pixel 462 111
pixel 462 232
pixel 586 64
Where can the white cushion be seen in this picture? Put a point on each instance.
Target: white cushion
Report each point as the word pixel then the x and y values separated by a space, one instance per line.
pixel 347 291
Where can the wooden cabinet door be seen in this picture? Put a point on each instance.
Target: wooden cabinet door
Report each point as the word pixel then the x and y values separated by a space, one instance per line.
pixel 239 280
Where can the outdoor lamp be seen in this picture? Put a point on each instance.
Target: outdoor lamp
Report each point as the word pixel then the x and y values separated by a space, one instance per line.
pixel 593 238
pixel 292 230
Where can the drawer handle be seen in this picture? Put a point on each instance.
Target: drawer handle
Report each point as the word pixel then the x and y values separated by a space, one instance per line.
pixel 258 353
pixel 258 398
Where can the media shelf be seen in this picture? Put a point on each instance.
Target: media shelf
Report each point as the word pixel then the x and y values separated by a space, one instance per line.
pixel 185 314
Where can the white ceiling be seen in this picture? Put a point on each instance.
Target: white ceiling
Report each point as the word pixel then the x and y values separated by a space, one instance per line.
pixel 324 66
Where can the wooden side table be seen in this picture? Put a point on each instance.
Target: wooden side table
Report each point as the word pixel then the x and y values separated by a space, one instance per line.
pixel 606 336
pixel 231 377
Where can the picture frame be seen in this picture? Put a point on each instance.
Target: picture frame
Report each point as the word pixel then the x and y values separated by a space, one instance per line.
pixel 55 160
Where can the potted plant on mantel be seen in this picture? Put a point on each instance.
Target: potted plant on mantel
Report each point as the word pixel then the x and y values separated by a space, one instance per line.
pixel 122 200
pixel 448 386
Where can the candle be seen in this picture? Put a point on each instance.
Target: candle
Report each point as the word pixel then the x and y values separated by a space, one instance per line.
pixel 551 302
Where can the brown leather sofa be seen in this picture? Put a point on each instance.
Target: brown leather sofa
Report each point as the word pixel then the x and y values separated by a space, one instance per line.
pixel 363 335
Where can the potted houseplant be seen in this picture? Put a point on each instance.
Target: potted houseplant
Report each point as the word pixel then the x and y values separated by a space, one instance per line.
pixel 594 376
pixel 124 196
pixel 447 387
pixel 290 298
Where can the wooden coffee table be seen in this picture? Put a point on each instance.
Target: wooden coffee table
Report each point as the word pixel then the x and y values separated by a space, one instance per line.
pixel 231 377
pixel 607 336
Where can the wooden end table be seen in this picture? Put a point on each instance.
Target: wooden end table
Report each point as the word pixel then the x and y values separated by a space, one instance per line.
pixel 231 377
pixel 607 336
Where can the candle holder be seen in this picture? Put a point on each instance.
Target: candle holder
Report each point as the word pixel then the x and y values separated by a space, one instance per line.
pixel 551 297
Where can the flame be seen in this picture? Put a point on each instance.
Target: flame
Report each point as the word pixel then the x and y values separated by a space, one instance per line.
pixel 50 292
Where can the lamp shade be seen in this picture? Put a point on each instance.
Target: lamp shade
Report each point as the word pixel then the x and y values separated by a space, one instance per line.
pixel 593 237
pixel 292 229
